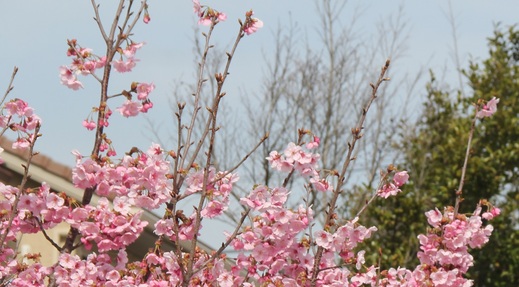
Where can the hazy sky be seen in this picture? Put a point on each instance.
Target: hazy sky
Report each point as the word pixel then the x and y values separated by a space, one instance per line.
pixel 34 33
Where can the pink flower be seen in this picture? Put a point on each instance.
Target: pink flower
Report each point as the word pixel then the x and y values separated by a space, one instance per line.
pixel 205 21
pixel 400 178
pixel 53 201
pixel 89 125
pixel 68 79
pixel 130 51
pixel 434 217
pixel 314 144
pixel 251 24
pixel 146 105
pixel 124 66
pixel 388 190
pixel 143 90
pixel 197 8
pixel 321 184
pixel 495 211
pixel 360 259
pixel 221 17
pixel 21 143
pixel 489 109
pixel 323 239
pixel 213 209
pixel 146 18
pixel 18 107
pixel 207 15
pixel 489 215
pixel 111 152
pixel 130 108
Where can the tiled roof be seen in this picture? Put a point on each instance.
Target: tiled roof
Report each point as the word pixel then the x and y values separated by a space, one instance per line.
pixel 39 160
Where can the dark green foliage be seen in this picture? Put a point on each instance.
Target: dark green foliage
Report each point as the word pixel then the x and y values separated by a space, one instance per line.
pixel 433 152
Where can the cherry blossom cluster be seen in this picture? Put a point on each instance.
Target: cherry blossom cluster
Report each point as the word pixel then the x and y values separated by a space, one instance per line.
pixel 33 274
pixel 300 159
pixel 132 108
pixel 109 228
pixel 27 211
pixel 217 190
pixel 444 256
pixel 18 116
pixel 488 109
pixel 95 269
pixel 126 63
pixel 127 60
pixel 157 269
pixel 84 62
pixel 251 24
pixel 275 250
pixel 140 181
pixel 282 244
pixel 393 188
pixel 90 124
pixel 207 15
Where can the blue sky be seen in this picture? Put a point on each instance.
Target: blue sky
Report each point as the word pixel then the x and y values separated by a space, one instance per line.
pixel 34 38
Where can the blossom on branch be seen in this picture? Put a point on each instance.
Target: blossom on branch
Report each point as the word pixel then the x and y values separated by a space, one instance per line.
pixel 130 108
pixel 489 109
pixel 126 65
pixel 251 24
pixel 69 79
pixel 393 188
pixel 208 15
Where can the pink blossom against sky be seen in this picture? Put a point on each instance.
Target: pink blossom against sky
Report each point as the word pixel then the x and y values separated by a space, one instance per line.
pixel 36 43
pixel 38 30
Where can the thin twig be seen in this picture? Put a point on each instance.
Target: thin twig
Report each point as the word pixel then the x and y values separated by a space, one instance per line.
pixel 98 20
pixel 210 127
pixel 356 135
pixel 10 87
pixel 197 95
pixel 227 242
pixel 47 236
pixel 459 192
pixel 372 197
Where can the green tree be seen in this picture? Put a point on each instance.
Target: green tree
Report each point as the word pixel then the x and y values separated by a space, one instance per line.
pixel 433 151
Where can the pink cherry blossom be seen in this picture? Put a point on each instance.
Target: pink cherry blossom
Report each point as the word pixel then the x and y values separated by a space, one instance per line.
pixel 89 125
pixel 130 51
pixel 69 79
pixel 400 178
pixel 251 24
pixel 434 217
pixel 323 239
pixel 122 66
pixel 314 143
pixel 489 109
pixel 143 90
pixel 388 190
pixel 208 15
pixel 321 184
pixel 21 143
pixel 146 18
pixel 130 108
pixel 197 8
